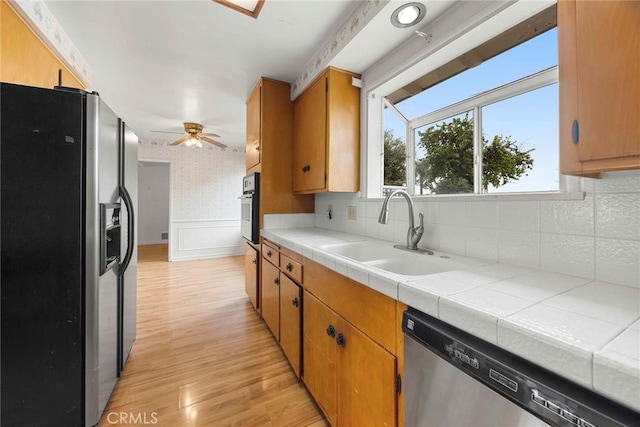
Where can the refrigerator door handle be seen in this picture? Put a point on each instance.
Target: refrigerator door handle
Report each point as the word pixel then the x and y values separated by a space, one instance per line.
pixel 130 229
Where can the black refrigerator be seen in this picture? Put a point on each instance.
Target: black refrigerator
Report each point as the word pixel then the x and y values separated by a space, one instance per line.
pixel 68 198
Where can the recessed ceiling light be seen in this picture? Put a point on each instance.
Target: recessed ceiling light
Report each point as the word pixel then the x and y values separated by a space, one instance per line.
pixel 408 15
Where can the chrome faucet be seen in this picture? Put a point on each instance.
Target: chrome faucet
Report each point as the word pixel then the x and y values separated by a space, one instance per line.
pixel 414 234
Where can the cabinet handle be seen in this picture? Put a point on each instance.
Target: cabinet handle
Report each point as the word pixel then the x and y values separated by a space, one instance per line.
pixel 277 281
pixel 575 132
pixel 289 267
pixel 331 331
pixel 308 168
pixel 269 253
pixel 258 148
pixel 295 302
pixel 341 340
pixel 254 261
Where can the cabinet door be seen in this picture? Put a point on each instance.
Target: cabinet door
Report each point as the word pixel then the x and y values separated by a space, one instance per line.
pixel 320 352
pixel 26 60
pixel 253 127
pixel 599 85
pixel 251 274
pixel 290 304
pixel 366 380
pixel 309 138
pixel 270 286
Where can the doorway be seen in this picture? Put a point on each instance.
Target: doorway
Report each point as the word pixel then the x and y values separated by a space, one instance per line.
pixel 154 210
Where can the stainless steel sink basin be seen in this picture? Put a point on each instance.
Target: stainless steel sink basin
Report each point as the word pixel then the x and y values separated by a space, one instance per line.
pixel 363 251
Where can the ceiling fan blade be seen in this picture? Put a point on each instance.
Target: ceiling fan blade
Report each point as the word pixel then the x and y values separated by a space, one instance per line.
pixel 209 134
pixel 211 141
pixel 180 141
pixel 164 131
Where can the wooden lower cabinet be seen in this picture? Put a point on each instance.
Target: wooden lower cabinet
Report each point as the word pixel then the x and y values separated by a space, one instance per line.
pixel 290 319
pixel 251 259
pixel 320 354
pixel 270 286
pixel 351 376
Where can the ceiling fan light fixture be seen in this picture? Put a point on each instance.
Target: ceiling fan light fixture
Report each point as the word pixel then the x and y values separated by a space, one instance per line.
pixel 408 15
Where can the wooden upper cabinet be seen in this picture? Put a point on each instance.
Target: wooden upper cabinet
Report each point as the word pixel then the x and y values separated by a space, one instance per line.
pixel 269 148
pixel 253 127
pixel 326 135
pixel 26 60
pixel 599 74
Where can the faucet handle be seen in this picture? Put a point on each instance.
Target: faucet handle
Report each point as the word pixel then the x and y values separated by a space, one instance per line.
pixel 420 228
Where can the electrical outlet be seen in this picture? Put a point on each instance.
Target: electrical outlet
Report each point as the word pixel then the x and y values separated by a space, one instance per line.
pixel 330 211
pixel 352 213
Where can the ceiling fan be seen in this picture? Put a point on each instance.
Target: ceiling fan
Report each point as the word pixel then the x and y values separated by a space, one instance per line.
pixel 194 136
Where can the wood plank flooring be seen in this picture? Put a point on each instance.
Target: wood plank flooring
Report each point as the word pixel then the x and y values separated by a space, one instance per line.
pixel 202 356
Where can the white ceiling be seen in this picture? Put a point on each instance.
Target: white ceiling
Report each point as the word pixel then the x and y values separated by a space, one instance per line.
pixel 161 63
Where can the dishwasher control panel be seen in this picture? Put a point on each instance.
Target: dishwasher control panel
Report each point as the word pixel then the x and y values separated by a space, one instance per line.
pixel 555 400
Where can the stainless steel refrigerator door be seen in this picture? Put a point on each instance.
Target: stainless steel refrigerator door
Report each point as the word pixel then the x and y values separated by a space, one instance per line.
pixel 439 394
pixel 101 291
pixel 128 283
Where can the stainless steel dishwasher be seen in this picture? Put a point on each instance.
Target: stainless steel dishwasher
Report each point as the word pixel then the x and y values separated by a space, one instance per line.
pixel 454 379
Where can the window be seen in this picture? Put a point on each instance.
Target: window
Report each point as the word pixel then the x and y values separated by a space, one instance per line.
pixel 486 122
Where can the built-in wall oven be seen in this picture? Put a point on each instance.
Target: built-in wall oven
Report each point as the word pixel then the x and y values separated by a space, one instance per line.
pixel 454 379
pixel 250 201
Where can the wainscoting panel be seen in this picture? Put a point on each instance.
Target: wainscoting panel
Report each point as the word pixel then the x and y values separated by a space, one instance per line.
pixel 205 239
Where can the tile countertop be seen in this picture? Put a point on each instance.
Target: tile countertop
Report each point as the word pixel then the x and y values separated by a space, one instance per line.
pixel 583 330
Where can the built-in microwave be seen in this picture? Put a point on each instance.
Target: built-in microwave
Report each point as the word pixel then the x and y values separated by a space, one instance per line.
pixel 250 219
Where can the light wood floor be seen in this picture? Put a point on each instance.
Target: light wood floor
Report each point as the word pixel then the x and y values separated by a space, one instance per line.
pixel 202 356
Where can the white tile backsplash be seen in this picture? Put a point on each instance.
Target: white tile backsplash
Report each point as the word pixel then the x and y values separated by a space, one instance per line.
pixel 482 243
pixel 568 216
pixel 618 215
pixel 519 216
pixel 452 239
pixel 481 214
pixel 618 182
pixel 618 261
pixel 451 213
pixel 567 254
pixel 519 248
pixel 594 238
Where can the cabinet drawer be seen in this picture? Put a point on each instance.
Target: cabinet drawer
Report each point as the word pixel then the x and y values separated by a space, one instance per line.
pixel 291 268
pixel 271 253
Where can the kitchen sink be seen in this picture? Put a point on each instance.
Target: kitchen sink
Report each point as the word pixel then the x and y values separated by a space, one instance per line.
pixel 385 257
pixel 363 251
pixel 421 265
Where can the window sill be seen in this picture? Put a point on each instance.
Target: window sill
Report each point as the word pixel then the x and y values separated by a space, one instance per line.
pixel 532 196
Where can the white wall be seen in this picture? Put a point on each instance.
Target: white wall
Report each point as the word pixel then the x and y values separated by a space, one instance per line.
pixel 153 202
pixel 597 238
pixel 205 185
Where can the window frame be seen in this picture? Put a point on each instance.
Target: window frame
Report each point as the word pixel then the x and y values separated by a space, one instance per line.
pixel 459 31
pixel 474 104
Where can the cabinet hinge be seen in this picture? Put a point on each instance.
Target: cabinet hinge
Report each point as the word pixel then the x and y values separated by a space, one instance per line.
pixel 326 85
pixel 325 177
pixel 398 384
